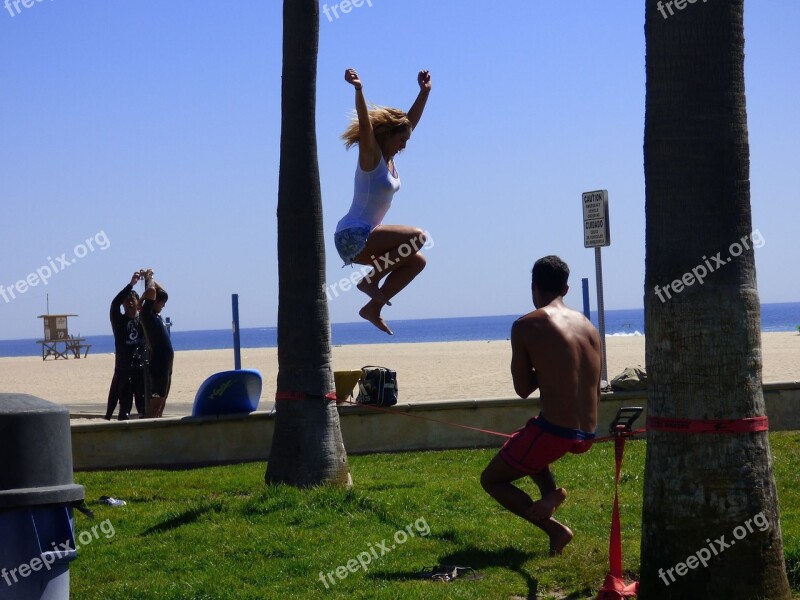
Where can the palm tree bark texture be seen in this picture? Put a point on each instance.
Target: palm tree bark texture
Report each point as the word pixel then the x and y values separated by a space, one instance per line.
pixel 307 447
pixel 710 517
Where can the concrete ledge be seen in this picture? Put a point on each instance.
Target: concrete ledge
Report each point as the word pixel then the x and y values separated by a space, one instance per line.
pixel 180 442
pixel 171 442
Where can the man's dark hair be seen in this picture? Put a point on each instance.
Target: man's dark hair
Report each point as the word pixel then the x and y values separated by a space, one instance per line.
pixel 134 294
pixel 550 274
pixel 162 295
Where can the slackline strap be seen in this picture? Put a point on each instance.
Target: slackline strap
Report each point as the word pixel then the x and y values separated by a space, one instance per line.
pixel 614 587
pixel 395 412
pixel 671 425
pixel 450 423
pixel 615 543
pixel 332 396
pixel 630 434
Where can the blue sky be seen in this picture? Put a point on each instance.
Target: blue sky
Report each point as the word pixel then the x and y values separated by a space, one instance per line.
pixel 152 129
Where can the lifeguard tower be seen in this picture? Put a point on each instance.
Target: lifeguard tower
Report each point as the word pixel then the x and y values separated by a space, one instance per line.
pixel 58 342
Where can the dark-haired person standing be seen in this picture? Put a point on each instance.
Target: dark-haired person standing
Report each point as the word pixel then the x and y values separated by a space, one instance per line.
pixel 158 343
pixel 128 380
pixel 557 350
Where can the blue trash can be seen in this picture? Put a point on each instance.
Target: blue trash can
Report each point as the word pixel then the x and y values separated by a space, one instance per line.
pixel 37 539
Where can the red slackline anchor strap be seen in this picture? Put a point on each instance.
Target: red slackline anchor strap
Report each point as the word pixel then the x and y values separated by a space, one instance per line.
pixel 406 414
pixel 748 425
pixel 632 435
pixel 614 587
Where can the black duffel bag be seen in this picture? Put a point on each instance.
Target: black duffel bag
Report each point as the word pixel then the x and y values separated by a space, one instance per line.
pixel 377 386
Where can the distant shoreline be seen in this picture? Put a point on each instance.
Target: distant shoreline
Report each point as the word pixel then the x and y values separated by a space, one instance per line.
pixel 776 317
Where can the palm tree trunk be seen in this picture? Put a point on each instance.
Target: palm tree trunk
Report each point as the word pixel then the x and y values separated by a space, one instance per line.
pixel 307 447
pixel 703 342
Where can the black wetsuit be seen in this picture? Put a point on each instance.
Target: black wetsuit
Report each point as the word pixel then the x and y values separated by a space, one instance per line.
pixel 160 345
pixel 128 381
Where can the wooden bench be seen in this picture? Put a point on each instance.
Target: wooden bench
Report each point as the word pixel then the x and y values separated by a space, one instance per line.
pixel 75 345
pixel 76 349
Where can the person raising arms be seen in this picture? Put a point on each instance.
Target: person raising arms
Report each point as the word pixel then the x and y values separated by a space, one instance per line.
pixel 128 380
pixel 159 344
pixel 361 237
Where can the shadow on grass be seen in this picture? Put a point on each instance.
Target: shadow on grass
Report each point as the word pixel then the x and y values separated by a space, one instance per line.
pixel 507 558
pixel 188 516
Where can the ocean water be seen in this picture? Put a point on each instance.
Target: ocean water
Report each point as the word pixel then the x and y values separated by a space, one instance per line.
pixel 774 317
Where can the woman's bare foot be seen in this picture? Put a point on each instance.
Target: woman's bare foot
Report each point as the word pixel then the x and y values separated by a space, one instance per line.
pixel 544 508
pixel 559 538
pixel 370 288
pixel 372 313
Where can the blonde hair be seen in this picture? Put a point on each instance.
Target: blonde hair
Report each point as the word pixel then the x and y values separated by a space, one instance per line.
pixel 384 120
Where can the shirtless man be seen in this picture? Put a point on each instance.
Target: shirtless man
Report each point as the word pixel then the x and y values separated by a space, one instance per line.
pixel 557 350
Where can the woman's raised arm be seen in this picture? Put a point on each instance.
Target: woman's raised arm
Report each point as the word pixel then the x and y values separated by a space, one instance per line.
pixel 415 112
pixel 368 150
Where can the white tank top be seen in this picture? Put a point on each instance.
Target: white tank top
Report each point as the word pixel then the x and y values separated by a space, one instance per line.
pixel 372 197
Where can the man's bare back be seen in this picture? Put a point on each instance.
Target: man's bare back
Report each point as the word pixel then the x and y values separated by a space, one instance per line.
pixel 557 349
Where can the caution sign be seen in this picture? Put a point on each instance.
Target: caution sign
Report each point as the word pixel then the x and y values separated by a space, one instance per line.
pixel 596 231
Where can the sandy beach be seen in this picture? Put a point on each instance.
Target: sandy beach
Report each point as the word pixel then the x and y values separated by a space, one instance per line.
pixel 427 371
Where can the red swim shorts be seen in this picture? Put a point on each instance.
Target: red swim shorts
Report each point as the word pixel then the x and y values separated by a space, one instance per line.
pixel 540 443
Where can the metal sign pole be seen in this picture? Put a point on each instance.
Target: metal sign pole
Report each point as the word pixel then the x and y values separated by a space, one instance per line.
pixel 237 349
pixel 601 317
pixel 587 312
pixel 596 234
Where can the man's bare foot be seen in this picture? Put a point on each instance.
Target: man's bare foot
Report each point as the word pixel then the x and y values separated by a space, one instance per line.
pixel 372 313
pixel 544 508
pixel 371 289
pixel 559 539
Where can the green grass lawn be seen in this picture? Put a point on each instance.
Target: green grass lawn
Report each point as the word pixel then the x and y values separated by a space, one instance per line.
pixel 220 533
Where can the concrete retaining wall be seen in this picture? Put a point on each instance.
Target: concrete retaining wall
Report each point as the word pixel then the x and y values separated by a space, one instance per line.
pixel 181 442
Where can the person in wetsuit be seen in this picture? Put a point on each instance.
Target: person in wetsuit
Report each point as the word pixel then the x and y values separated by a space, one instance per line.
pixel 127 383
pixel 158 343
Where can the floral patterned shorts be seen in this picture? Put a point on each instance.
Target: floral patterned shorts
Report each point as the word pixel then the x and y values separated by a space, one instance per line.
pixel 349 242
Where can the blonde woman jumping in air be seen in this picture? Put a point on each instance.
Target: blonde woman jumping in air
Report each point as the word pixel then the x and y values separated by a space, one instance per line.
pixel 391 250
